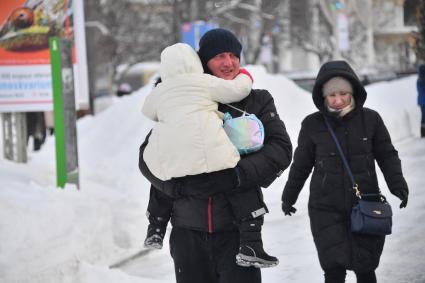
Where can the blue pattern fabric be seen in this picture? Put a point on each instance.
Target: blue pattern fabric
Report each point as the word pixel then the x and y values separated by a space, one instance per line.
pixel 245 132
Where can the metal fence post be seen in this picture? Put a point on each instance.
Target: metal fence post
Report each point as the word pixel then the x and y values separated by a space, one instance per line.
pixel 15 136
pixel 21 137
pixel 6 119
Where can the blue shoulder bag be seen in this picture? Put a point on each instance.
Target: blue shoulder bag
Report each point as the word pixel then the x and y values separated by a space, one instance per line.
pixel 372 214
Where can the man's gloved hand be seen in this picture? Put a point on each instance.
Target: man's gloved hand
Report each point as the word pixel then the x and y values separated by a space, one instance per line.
pixel 403 195
pixel 245 72
pixel 288 209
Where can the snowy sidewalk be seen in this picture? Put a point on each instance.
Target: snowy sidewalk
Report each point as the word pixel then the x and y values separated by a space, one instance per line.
pixel 68 236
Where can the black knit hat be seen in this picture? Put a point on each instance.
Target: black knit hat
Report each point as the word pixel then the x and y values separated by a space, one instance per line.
pixel 217 41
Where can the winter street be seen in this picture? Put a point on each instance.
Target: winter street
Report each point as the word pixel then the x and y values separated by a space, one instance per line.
pixel 53 235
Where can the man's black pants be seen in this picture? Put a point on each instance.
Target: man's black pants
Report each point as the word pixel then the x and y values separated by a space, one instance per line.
pixel 208 257
pixel 337 275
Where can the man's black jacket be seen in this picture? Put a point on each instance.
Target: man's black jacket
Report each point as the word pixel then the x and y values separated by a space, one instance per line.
pixel 200 203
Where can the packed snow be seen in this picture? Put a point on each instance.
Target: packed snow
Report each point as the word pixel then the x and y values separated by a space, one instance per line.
pixel 48 234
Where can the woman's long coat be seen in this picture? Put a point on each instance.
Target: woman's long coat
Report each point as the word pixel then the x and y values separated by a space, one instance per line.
pixel 364 139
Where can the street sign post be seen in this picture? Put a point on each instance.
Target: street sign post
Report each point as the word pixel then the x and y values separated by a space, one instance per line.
pixel 64 112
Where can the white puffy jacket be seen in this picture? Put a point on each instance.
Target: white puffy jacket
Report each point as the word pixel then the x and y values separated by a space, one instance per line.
pixel 189 138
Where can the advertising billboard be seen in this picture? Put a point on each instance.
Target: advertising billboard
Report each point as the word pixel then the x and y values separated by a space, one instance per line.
pixel 25 72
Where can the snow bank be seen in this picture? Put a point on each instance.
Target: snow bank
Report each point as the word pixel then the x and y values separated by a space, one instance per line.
pixel 54 235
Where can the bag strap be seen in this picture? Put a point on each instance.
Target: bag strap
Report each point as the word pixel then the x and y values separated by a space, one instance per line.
pixel 344 160
pixel 244 113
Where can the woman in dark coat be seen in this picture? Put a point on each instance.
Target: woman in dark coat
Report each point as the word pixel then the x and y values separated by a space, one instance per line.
pixel 339 95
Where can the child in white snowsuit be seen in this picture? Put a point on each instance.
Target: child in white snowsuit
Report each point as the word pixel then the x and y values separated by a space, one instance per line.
pixel 189 138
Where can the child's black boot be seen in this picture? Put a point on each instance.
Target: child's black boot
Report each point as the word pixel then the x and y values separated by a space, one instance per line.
pixel 156 232
pixel 251 252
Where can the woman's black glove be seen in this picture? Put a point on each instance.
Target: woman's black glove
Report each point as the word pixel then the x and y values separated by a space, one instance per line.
pixel 403 195
pixel 288 209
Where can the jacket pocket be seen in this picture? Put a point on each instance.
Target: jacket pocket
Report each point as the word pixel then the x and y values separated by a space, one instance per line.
pixel 332 164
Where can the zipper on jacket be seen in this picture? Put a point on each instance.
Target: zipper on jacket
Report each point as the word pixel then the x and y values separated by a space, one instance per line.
pixel 210 223
pixel 350 192
pixel 324 179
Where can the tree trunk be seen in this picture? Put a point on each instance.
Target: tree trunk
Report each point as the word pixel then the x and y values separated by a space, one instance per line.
pixel 254 33
pixel 282 39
